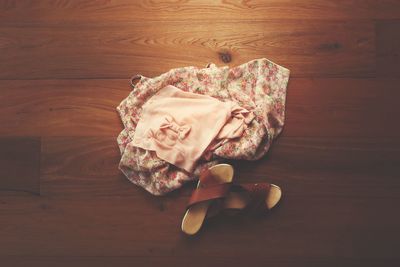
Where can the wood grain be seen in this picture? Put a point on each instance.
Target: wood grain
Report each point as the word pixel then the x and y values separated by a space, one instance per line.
pixel 65 65
pixel 388 48
pixel 20 164
pixel 83 165
pixel 61 107
pixel 115 226
pixel 193 261
pixel 69 11
pixel 307 48
pixel 315 107
pixel 334 167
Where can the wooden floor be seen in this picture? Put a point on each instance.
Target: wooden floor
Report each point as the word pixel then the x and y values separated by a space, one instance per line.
pixel 65 65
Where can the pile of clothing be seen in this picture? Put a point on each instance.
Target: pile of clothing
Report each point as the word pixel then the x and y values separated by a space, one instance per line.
pixel 189 119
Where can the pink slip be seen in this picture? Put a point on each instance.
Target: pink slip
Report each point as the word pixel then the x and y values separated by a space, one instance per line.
pixel 179 126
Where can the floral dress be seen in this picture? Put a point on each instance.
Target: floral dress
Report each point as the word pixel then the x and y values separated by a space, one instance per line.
pixel 258 86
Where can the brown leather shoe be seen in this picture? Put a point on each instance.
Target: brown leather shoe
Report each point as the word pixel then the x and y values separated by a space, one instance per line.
pixel 214 185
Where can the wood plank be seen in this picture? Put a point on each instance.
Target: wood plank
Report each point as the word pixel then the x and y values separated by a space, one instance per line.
pixel 83 165
pixel 342 107
pixel 348 186
pixel 319 227
pixel 232 260
pixel 20 164
pixel 61 107
pixel 65 66
pixel 388 48
pixel 323 167
pixel 308 48
pixel 315 107
pixel 69 11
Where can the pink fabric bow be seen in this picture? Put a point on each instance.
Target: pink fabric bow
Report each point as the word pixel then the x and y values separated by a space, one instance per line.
pixel 169 131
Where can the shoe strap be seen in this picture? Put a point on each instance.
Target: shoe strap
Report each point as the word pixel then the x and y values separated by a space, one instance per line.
pixel 209 189
pixel 258 192
pixel 209 193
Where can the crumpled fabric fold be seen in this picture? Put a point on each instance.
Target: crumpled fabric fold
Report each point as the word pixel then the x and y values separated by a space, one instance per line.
pixel 258 86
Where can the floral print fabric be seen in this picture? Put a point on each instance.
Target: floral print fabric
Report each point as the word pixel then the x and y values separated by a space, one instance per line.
pixel 258 86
